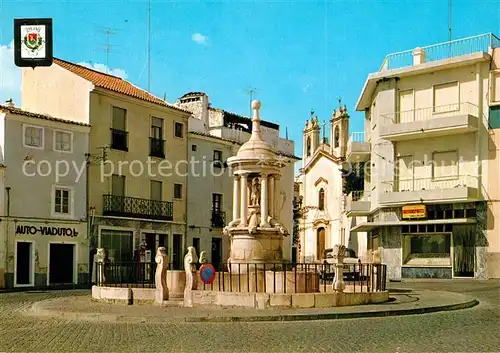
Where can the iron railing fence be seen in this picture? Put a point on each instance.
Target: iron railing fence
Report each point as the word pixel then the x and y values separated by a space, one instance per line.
pixel 297 278
pixel 446 50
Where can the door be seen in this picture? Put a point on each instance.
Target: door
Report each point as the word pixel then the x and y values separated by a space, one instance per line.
pixel 151 245
pixel 177 252
pixel 404 174
pixel 406 107
pixel 155 195
pixel 216 252
pixel 61 263
pixel 24 273
pixel 118 192
pixel 320 243
pixel 463 251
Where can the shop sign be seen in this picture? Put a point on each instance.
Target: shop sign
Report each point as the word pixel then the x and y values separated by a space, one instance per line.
pixel 44 230
pixel 414 211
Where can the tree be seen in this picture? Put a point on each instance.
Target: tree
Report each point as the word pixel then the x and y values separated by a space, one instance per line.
pixel 354 179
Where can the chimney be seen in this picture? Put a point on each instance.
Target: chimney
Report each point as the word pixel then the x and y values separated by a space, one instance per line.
pixel 204 112
pixel 419 56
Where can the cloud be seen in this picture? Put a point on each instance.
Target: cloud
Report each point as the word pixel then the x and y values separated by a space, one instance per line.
pixel 199 38
pixel 10 75
pixel 103 68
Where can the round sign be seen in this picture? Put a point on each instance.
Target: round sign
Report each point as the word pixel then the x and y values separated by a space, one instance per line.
pixel 207 273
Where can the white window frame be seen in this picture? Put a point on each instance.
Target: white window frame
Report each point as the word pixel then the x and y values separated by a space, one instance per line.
pixel 453 177
pixel 42 136
pixel 434 97
pixel 183 130
pixel 70 141
pixel 71 203
pixel 182 191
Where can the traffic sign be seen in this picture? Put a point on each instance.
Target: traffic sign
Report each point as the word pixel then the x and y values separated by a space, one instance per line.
pixel 207 273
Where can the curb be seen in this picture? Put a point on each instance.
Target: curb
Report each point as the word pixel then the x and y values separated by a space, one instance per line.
pixel 37 311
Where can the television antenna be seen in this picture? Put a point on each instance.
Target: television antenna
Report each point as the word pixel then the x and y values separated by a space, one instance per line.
pixel 250 92
pixel 149 45
pixel 449 19
pixel 108 32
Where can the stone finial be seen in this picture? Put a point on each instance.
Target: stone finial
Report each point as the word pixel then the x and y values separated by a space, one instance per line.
pixel 190 261
pixel 256 132
pixel 203 257
pixel 100 259
pixel 339 252
pixel 161 260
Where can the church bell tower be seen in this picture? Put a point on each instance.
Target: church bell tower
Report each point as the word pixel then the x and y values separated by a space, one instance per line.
pixel 339 131
pixel 310 137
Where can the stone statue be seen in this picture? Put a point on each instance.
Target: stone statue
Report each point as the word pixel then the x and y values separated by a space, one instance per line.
pixel 203 257
pixel 190 261
pixel 161 260
pixel 255 195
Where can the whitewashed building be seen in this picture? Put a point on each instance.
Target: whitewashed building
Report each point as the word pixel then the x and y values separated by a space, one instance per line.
pixel 43 228
pixel 214 136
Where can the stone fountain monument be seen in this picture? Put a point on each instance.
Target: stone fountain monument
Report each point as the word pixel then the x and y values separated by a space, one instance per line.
pixel 256 235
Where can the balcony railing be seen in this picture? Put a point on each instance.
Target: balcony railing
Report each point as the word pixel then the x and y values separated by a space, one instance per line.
pixel 156 147
pixel 357 137
pixel 123 206
pixel 420 184
pixel 218 218
pixel 421 114
pixel 446 50
pixel 359 195
pixel 119 140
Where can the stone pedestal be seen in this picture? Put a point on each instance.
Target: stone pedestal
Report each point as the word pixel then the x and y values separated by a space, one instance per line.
pixel 264 247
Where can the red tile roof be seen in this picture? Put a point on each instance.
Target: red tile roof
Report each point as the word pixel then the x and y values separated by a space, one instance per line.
pixel 17 111
pixel 113 83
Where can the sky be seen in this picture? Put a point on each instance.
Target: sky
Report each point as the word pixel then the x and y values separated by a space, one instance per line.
pixel 298 55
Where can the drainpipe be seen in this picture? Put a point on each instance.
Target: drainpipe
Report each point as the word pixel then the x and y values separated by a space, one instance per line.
pixel 8 200
pixel 478 133
pixel 186 196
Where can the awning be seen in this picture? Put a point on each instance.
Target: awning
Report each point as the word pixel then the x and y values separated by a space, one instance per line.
pixel 369 226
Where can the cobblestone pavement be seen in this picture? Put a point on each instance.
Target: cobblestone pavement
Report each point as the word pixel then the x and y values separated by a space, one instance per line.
pixel 470 330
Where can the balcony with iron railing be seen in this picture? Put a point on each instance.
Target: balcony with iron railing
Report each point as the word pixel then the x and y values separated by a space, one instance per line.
pixel 446 50
pixel 218 219
pixel 358 203
pixel 156 147
pixel 450 119
pixel 124 206
pixel 358 149
pixel 119 140
pixel 460 188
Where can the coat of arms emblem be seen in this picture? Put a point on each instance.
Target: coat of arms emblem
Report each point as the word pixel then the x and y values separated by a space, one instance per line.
pixel 33 41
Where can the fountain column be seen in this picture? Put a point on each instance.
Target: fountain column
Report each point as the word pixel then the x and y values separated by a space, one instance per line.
pixel 264 210
pixel 271 196
pixel 276 195
pixel 243 200
pixel 236 198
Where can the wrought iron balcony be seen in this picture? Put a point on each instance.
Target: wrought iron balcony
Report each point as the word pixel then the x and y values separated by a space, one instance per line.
pixel 156 147
pixel 218 218
pixel 119 140
pixel 123 206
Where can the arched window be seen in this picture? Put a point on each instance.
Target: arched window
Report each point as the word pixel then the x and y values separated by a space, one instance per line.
pixel 321 199
pixel 337 137
pixel 308 146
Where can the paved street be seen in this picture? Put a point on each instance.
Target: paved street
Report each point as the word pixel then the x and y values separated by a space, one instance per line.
pixel 471 330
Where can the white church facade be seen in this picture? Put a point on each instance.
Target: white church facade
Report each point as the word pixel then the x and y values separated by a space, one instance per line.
pixel 325 220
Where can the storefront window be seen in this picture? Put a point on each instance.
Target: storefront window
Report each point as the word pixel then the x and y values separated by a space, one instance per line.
pixel 427 249
pixel 118 245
